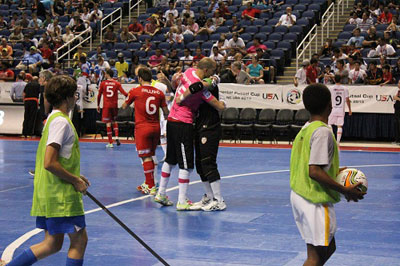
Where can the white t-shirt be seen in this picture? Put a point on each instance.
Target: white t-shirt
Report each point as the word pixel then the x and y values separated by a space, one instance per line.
pixel 339 94
pixel 386 50
pixel 356 75
pixel 301 76
pixel 62 133
pixel 238 43
pixel 285 20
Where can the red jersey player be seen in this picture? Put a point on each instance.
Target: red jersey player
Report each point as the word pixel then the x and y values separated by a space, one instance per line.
pixel 148 100
pixel 109 89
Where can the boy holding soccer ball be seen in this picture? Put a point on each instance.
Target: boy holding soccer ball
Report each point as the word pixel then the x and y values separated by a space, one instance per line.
pixel 314 166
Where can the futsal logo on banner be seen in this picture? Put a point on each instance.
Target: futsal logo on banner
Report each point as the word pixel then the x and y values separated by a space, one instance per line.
pixel 293 96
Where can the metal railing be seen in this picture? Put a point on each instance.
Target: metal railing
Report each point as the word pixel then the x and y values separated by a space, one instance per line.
pixel 327 22
pixel 78 40
pixel 112 21
pixel 137 4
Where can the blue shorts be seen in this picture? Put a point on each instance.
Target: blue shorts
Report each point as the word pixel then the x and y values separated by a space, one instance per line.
pixel 61 225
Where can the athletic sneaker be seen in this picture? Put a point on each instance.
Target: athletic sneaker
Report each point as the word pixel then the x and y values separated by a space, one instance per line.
pixel 214 205
pixel 146 190
pixel 163 200
pixel 203 202
pixel 187 206
pixel 109 145
pixel 118 142
pixel 32 172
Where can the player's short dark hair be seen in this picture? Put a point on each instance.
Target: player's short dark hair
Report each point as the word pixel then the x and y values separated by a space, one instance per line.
pixel 338 78
pixel 387 67
pixel 59 88
pixel 145 74
pixel 340 61
pixel 313 61
pixel 316 97
pixel 110 72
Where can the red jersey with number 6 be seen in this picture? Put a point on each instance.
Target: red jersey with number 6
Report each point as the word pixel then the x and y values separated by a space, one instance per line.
pixel 148 101
pixel 109 89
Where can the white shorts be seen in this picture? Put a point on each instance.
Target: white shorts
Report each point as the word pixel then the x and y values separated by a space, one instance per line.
pixel 316 222
pixel 337 120
pixel 163 127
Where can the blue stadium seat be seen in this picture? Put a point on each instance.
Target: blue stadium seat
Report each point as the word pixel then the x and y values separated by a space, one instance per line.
pixel 199 3
pixel 201 37
pixel 127 54
pixel 327 61
pixel 188 38
pixel 158 38
pixel 267 29
pixel 261 36
pixel 297 13
pixel 237 2
pixel 107 11
pixel 181 53
pixel 246 37
pixel 117 5
pixel 365 51
pixel 251 29
pixel 279 56
pixel 141 53
pixel 120 46
pixel 228 23
pixel 222 29
pixel 18 46
pixel 4 13
pixel 300 7
pixel 207 45
pixel 4 7
pixel 249 44
pixel 275 37
pixel 265 15
pixel 143 37
pixel 344 35
pixel 132 46
pixel 151 10
pixel 215 37
pixel 305 22
pixel 232 9
pixel 349 27
pixel 64 19
pixel 18 53
pixel 259 22
pixel 278 14
pixel 338 44
pixel 192 45
pixel 381 27
pixel 178 46
pixel 315 7
pixel 142 17
pixel 111 54
pixel 272 21
pixel 164 45
pixel 245 22
pixel 5 33
pixel 306 2
pixel 165 30
pixel 291 37
pixel 291 2
pixel 151 53
pixel 282 29
pixel 90 54
pixel 106 5
pixel 270 45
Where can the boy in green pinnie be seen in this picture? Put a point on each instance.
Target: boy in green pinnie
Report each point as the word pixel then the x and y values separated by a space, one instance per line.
pixel 314 165
pixel 58 185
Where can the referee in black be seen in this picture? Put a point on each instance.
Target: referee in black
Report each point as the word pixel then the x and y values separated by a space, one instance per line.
pixel 207 136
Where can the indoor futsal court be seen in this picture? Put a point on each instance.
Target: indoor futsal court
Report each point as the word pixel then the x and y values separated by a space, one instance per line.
pixel 257 228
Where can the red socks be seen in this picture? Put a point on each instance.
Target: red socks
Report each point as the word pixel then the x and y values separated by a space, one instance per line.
pixel 148 168
pixel 116 130
pixel 109 135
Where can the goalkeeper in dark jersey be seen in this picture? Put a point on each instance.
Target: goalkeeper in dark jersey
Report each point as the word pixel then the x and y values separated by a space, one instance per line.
pixel 207 136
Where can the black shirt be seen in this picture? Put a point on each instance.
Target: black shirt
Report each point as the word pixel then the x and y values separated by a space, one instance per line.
pixel 32 90
pixel 208 116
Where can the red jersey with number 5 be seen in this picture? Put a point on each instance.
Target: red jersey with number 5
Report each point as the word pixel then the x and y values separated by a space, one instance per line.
pixel 148 101
pixel 109 89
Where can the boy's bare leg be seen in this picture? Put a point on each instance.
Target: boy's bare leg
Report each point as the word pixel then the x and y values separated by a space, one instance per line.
pixel 78 244
pixel 50 245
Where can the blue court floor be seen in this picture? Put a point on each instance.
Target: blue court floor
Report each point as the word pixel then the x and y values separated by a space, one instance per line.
pixel 256 229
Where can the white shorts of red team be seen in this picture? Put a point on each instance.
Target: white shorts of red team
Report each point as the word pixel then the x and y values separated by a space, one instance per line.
pixel 316 222
pixel 337 120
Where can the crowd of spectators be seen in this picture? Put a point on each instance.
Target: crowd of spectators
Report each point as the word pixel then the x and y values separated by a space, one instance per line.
pixel 369 56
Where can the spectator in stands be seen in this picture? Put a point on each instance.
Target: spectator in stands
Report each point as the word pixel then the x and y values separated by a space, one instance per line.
pixel 222 45
pixel 35 23
pixel 5 57
pixel 365 23
pixel 223 10
pixel 45 38
pixel 31 61
pixel 250 12
pixel 255 70
pixel 100 69
pixel 342 71
pixel 382 61
pixel 74 20
pixel 47 55
pixel 209 28
pixel 396 71
pixel 58 8
pixel 186 61
pixel 23 5
pixel 390 40
pixel 147 46
pixel 327 49
pixel 52 27
pixel 68 35
pixel 301 75
pixel 385 17
pixel 126 36
pixel 191 28
pixel 6 74
pixel 393 27
pixel 217 19
pixel 337 55
pixel 287 19
pixel 6 46
pixel 79 27
pixel 173 59
pixel 256 44
pixel 16 35
pixel 14 21
pixel 39 8
pixel 385 49
pixel 57 69
pixel 236 27
pixel 356 39
pixel 164 67
pixel 358 9
pixel 151 28
pixel 113 68
pixel 170 22
pixel 241 76
pixel 217 55
pixel 174 35
pixel 24 21
pixel 155 60
pixel 110 38
pixel 354 19
pixel 17 89
pixel 77 56
pixel 172 10
pixel 135 27
pixel 3 23
pixel 357 75
pixel 96 15
pixel 387 76
pixel 263 58
pixel 122 66
pixel 85 15
pixel 374 74
pixel 47 21
pixel 213 6
pixel 68 9
pixel 236 43
pixel 370 38
pixel 99 52
pixel 187 11
pixel 312 72
pixel 198 55
pixel 329 76
pixel 201 19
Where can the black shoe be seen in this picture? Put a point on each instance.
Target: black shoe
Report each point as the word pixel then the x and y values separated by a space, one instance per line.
pixel 118 142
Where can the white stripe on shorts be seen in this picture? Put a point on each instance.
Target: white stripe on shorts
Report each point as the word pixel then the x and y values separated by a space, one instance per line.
pixel 184 156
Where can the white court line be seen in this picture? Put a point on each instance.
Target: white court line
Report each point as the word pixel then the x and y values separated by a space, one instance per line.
pixel 10 249
pixel 14 188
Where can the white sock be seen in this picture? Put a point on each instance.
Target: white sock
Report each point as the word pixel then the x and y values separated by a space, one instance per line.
pixel 156 178
pixel 208 189
pixel 165 173
pixel 216 188
pixel 339 134
pixel 183 184
pixel 163 143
